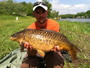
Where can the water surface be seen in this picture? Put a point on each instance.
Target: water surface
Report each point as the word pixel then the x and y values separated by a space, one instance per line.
pixel 76 20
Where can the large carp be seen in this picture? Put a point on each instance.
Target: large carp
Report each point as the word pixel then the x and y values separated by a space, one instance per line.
pixel 44 40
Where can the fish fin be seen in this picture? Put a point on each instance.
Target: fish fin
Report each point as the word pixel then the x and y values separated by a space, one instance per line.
pixel 22 47
pixel 73 54
pixel 41 53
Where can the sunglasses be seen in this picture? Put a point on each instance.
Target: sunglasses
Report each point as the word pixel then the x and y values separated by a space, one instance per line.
pixel 37 3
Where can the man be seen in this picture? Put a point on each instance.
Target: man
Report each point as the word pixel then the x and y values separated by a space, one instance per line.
pixel 53 58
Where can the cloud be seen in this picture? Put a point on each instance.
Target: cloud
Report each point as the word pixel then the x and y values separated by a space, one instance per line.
pixel 39 0
pixel 67 8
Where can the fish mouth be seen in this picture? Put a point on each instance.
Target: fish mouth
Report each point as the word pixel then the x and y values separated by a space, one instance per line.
pixel 12 38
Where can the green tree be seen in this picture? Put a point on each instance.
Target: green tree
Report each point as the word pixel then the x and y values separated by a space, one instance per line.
pixel 29 9
pixel 88 14
pixel 49 8
pixel 54 14
pixel 6 7
pixel 2 9
pixel 10 1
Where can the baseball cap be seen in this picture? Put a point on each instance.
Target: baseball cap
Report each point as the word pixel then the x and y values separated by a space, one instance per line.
pixel 40 4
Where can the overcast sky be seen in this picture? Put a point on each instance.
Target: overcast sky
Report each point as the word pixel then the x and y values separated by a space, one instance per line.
pixel 66 6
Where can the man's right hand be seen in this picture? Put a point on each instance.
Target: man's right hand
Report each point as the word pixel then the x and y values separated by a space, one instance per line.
pixel 30 50
pixel 25 45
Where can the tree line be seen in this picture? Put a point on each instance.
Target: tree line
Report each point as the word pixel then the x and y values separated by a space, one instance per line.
pixel 78 15
pixel 22 8
pixel 10 7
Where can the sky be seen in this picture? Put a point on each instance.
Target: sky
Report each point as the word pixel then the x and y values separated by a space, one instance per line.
pixel 66 6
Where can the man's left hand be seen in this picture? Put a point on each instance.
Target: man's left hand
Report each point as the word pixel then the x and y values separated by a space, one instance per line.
pixel 55 49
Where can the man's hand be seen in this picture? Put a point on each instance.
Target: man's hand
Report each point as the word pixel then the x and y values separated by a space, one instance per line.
pixel 26 45
pixel 29 47
pixel 56 48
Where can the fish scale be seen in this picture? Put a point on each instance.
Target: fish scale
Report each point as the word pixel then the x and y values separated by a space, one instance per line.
pixel 44 40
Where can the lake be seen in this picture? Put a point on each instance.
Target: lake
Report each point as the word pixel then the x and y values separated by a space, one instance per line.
pixel 76 20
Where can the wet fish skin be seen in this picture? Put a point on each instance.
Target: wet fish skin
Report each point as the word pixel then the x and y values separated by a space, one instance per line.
pixel 45 40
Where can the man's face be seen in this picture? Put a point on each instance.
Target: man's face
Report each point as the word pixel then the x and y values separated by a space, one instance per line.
pixel 41 15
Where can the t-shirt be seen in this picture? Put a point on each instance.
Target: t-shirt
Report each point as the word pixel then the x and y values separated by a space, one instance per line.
pixel 51 25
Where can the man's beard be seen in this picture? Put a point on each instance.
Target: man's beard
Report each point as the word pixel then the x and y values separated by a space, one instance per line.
pixel 41 22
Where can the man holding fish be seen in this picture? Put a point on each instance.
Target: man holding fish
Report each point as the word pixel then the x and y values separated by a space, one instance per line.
pixel 53 58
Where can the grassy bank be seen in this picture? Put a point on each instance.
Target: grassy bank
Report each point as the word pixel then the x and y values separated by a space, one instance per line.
pixel 78 33
pixel 8 26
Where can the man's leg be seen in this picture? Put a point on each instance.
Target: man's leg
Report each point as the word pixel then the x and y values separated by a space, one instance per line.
pixel 31 62
pixel 54 60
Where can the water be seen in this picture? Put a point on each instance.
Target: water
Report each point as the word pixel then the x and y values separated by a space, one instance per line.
pixel 76 20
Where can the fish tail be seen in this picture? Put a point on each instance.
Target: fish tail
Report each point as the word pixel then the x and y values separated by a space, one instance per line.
pixel 73 54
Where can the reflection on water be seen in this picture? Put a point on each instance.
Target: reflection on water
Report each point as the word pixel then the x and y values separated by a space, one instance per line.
pixel 77 20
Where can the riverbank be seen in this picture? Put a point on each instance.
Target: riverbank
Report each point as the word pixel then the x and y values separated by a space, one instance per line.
pixel 78 33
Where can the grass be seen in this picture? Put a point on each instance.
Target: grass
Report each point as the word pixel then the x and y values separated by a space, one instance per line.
pixel 8 26
pixel 78 33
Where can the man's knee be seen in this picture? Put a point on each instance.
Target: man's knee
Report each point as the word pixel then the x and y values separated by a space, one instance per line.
pixel 30 62
pixel 24 65
pixel 54 60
